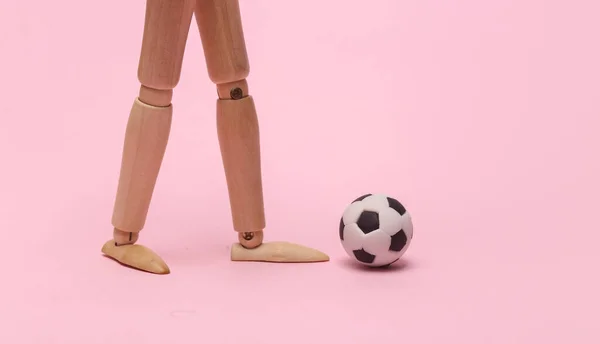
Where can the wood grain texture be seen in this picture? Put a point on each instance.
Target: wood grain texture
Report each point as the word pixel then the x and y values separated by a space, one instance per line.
pixel 239 141
pixel 166 29
pixel 146 139
pixel 220 26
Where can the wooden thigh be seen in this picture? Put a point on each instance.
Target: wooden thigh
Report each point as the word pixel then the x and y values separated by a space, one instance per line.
pixel 166 29
pixel 220 26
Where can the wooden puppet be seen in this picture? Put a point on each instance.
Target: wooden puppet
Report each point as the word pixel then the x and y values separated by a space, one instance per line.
pixel 167 23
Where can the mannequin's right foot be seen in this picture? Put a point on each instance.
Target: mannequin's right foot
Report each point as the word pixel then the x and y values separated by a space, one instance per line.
pixel 133 255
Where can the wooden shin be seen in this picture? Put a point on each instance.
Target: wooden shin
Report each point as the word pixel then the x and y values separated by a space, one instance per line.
pixel 146 140
pixel 238 132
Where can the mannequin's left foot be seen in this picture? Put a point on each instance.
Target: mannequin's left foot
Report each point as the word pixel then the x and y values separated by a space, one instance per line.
pixel 277 252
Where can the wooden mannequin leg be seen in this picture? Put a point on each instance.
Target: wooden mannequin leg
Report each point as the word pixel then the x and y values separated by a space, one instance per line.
pixel 166 30
pixel 238 132
pixel 224 47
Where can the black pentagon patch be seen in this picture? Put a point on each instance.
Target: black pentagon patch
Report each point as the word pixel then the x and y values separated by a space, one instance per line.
pixel 397 206
pixel 361 198
pixel 364 256
pixel 398 241
pixel 368 221
pixel 342 228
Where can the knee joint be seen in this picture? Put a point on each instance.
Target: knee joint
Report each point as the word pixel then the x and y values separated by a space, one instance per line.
pixel 233 90
pixel 155 97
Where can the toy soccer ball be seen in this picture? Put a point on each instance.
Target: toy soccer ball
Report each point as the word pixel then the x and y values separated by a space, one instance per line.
pixel 376 230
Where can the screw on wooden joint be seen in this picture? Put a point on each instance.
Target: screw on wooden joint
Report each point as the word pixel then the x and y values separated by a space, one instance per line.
pixel 248 235
pixel 236 93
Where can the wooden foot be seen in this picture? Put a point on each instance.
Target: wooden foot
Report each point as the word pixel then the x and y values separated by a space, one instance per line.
pixel 278 252
pixel 136 256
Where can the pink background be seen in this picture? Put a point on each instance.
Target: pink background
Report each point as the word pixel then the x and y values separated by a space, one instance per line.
pixel 481 116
